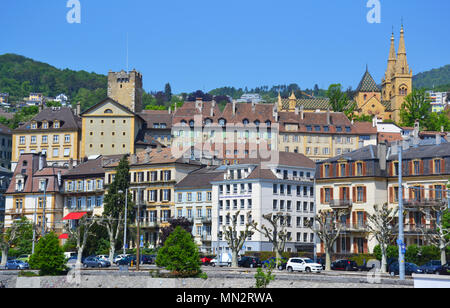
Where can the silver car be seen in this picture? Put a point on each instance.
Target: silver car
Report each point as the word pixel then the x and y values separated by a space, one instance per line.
pixel 16 265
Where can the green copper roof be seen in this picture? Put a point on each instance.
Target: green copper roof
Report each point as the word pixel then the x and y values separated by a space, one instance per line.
pixel 367 84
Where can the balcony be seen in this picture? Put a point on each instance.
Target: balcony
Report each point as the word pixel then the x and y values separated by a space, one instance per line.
pixel 149 224
pixel 206 238
pixel 341 204
pixel 415 204
pixel 419 228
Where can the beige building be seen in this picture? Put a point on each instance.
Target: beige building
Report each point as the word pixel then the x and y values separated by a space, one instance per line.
pixel 109 128
pixel 55 132
pixel 126 88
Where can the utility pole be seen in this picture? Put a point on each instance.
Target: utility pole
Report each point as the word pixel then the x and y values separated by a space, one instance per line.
pixel 125 223
pixel 44 219
pixel 401 237
pixel 34 226
pixel 138 257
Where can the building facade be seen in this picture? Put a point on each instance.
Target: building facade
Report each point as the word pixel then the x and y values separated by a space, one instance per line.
pixel 35 193
pixel 257 188
pixel 55 132
pixel 5 146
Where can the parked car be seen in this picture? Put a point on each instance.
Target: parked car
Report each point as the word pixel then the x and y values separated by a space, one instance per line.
pixel 95 262
pixel 410 268
pixel 206 260
pixel 251 262
pixel 103 257
pixel 321 261
pixel 273 260
pixel 147 259
pixel 119 257
pixel 225 259
pixel 127 260
pixel 444 269
pixel 24 258
pixel 16 265
pixel 303 265
pixel 344 265
pixel 431 267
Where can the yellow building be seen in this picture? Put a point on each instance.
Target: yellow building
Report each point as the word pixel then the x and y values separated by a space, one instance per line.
pixel 109 128
pixel 153 176
pixel 397 82
pixel 55 132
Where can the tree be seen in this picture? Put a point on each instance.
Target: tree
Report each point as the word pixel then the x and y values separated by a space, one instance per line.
pixel 182 222
pixel 439 215
pixel 168 92
pixel 48 256
pixel 381 226
pixel 416 107
pixel 179 254
pixel 327 226
pixel 79 231
pixel 276 233
pixel 234 240
pixel 7 238
pixel 114 205
pixel 339 100
pixel 436 121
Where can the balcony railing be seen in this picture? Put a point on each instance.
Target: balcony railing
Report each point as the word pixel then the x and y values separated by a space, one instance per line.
pixel 341 203
pixel 419 228
pixel 424 202
pixel 206 238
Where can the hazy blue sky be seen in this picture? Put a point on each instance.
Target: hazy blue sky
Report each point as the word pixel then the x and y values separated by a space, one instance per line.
pixel 204 44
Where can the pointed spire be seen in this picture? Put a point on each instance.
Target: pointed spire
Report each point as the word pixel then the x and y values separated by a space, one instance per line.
pixel 292 97
pixel 401 66
pixel 391 60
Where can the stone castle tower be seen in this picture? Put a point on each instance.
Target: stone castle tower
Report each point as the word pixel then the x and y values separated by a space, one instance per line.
pixel 397 82
pixel 126 89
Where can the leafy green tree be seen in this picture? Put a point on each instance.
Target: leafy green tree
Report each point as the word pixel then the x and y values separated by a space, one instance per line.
pixel 436 121
pixel 179 254
pixel 168 92
pixel 24 239
pixel 48 257
pixel 416 107
pixel 339 100
pixel 114 205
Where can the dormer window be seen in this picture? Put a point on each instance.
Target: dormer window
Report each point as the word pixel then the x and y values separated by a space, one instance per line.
pixel 245 122
pixel 56 124
pixel 222 122
pixel 33 125
pixel 45 125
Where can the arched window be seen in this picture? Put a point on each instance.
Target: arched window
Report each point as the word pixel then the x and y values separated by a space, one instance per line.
pixel 222 122
pixel 245 122
pixel 257 122
pixel 109 111
pixel 191 123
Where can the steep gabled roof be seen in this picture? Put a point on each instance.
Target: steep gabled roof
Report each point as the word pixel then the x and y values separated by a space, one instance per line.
pixel 367 84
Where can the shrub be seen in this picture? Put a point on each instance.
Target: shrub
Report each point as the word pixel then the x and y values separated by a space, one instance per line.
pixel 264 278
pixel 48 257
pixel 179 254
pixel 392 252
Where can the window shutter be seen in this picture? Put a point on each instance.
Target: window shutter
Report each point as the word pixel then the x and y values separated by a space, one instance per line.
pixel 410 193
pixel 348 194
pixel 410 165
pixel 391 169
pixel 421 167
pixel 365 246
pixel 354 194
pixel 365 193
pixel 354 218
pixel 364 169
pixel 331 193
pixel 431 192
pixel 322 196
pixel 341 193
pixel 411 218
pixel 431 167
pixel 347 170
pixel 443 166
pixel 321 171
pixel 391 194
pixel 354 169
pixel 422 192
pixel 338 246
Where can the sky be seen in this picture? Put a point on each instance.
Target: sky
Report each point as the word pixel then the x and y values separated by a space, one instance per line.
pixel 206 44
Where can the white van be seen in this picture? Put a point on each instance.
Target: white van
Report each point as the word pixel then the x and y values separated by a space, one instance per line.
pixel 69 255
pixel 224 260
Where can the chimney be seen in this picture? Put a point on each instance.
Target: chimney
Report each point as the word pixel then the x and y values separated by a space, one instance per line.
pixel 438 139
pixel 59 178
pixel 297 110
pixel 41 161
pixel 381 153
pixel 71 164
pixel 170 109
pixel 329 117
pixel 302 112
pixel 234 107
pixel 78 108
pixel 394 148
pixel 275 113
pixel 374 121
pixel 253 106
pixel 199 103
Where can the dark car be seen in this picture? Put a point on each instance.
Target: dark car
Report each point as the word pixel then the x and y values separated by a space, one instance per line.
pixel 273 260
pixel 410 268
pixel 147 259
pixel 444 269
pixel 249 262
pixel 431 267
pixel 127 260
pixel 322 262
pixel 344 265
pixel 95 262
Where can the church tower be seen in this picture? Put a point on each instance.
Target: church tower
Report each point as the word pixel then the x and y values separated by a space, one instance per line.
pixel 402 80
pixel 397 83
pixel 126 89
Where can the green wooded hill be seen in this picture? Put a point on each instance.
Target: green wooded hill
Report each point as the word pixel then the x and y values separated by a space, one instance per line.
pixel 438 78
pixel 20 75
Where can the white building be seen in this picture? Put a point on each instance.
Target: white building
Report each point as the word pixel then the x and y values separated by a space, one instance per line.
pixel 438 101
pixel 259 188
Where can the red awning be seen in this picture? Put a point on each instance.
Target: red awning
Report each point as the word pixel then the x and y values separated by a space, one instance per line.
pixel 64 236
pixel 75 216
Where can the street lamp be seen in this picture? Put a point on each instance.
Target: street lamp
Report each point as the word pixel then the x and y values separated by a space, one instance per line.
pixel 400 242
pixel 125 221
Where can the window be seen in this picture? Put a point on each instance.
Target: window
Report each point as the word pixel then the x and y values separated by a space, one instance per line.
pixel 189 197
pixel 360 194
pixel 45 139
pixel 22 140
pixel 275 188
pixel 55 153
pixel 67 138
pixel 66 152
pixel 45 125
pixel 199 196
pixel 327 195
pixel 33 139
pixel 209 196
pixel 275 205
pixel 56 124
pixel 55 138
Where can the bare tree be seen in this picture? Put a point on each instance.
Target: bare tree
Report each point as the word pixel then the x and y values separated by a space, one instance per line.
pixel 440 237
pixel 327 227
pixel 113 227
pixel 381 226
pixel 276 233
pixel 234 240
pixel 80 233
pixel 7 237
